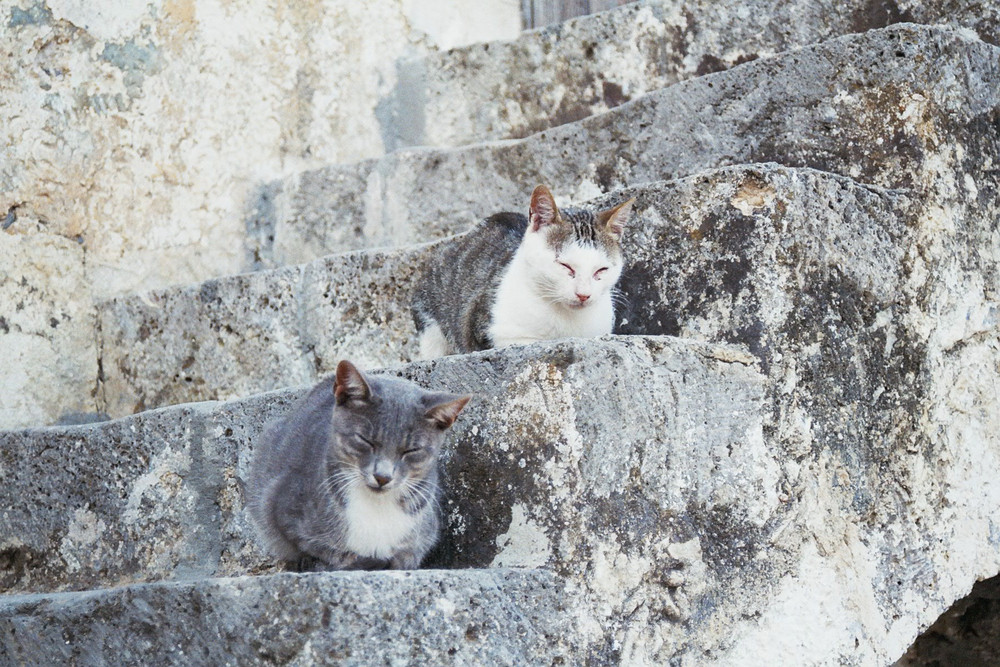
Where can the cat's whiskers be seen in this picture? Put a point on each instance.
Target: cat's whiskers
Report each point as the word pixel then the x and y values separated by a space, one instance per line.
pixel 549 292
pixel 618 298
pixel 421 490
pixel 340 480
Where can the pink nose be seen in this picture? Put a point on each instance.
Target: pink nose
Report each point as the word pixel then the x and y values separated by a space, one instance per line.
pixel 582 297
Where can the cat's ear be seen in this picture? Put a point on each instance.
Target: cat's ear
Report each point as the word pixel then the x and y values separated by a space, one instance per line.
pixel 350 385
pixel 614 219
pixel 543 209
pixel 443 409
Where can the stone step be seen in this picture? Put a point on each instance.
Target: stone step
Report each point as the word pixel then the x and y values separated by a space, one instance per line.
pixel 429 617
pixel 160 494
pixel 693 509
pixel 572 70
pixel 904 106
pixel 695 250
pixel 539 475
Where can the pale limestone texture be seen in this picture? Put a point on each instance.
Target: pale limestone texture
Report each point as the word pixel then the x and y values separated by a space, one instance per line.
pixel 683 276
pixel 143 127
pixel 139 131
pixel 48 343
pixel 127 128
pixel 812 483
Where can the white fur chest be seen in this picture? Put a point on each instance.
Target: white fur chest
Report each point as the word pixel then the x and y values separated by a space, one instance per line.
pixel 376 525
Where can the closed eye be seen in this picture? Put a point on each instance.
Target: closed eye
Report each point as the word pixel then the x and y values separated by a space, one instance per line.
pixel 412 451
pixel 572 273
pixel 364 442
pixel 599 273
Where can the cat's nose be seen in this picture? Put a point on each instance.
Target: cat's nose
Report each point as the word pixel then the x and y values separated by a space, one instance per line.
pixel 383 479
pixel 582 297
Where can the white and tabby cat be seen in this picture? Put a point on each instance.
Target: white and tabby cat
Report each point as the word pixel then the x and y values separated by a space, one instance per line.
pixel 516 279
pixel 348 480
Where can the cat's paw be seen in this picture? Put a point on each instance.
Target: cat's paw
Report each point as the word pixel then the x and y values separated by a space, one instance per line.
pixel 368 563
pixel 306 563
pixel 405 561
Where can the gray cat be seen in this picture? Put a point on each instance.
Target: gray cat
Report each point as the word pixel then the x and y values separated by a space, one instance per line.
pixel 349 479
pixel 516 279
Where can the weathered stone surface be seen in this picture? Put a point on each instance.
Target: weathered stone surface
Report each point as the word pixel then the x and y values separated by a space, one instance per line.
pixel 906 106
pixel 575 69
pixel 348 209
pixel 357 305
pixel 47 338
pixel 819 499
pixel 144 127
pixel 245 334
pixel 729 508
pixel 463 617
pixel 140 131
pixel 174 505
pixel 873 315
pixel 540 475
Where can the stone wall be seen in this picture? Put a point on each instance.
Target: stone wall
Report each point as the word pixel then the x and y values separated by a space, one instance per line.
pixel 141 127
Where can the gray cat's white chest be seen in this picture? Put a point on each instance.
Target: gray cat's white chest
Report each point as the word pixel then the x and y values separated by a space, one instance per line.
pixel 376 525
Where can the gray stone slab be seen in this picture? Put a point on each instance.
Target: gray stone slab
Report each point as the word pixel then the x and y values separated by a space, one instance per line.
pixel 250 333
pixel 905 106
pixel 578 68
pixel 246 334
pixel 160 494
pixel 694 510
pixel 175 346
pixel 458 617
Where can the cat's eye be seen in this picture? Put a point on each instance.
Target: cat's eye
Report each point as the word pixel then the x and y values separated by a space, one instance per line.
pixel 412 451
pixel 599 273
pixel 572 273
pixel 363 444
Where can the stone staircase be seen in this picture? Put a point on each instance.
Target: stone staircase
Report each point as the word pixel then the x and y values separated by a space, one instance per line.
pixel 785 455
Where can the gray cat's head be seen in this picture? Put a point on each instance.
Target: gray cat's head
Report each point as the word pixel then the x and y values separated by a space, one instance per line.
pixel 574 255
pixel 387 431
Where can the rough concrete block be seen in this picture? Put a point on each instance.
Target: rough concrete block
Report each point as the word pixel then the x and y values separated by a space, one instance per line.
pixel 873 315
pixel 684 506
pixel 256 332
pixel 533 477
pixel 460 617
pixel 906 106
pixel 251 335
